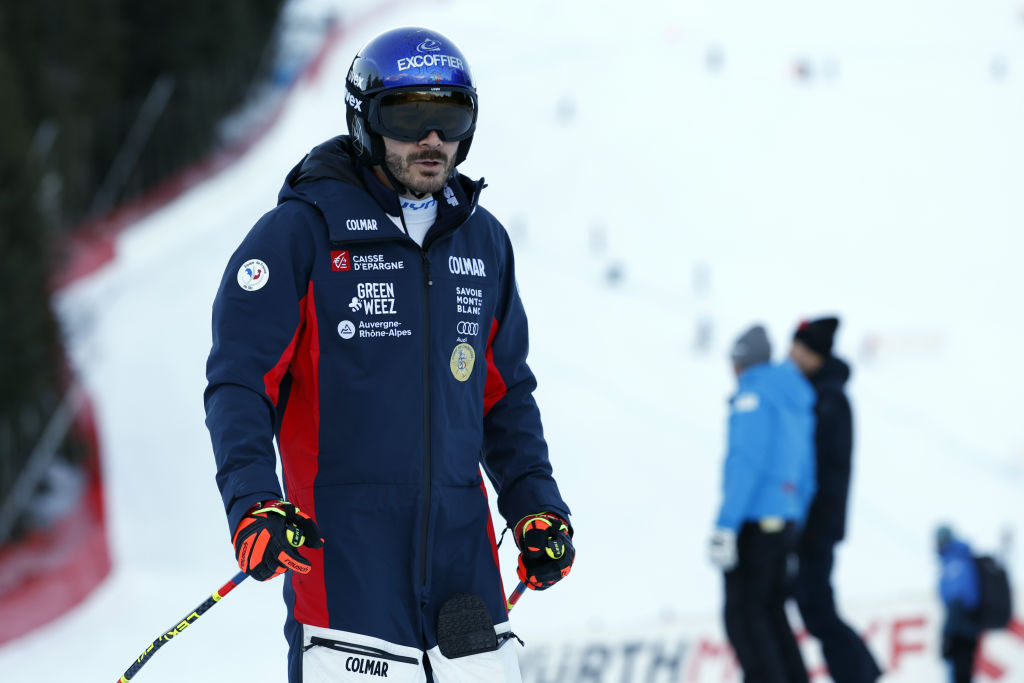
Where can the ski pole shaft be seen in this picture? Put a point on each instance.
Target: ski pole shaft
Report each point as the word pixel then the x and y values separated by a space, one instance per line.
pixel 516 594
pixel 184 623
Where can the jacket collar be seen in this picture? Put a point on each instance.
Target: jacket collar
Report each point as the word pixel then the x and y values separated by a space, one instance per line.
pixel 314 180
pixel 456 201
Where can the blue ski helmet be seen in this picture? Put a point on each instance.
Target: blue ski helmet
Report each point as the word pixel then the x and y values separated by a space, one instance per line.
pixel 392 77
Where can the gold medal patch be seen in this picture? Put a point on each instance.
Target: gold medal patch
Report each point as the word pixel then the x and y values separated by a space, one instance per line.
pixel 462 361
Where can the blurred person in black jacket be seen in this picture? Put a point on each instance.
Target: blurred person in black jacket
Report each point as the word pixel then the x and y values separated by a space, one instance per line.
pixel 848 658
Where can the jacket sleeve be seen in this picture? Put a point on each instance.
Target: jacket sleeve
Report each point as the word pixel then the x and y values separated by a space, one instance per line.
pixel 254 332
pixel 749 431
pixel 808 484
pixel 834 443
pixel 515 454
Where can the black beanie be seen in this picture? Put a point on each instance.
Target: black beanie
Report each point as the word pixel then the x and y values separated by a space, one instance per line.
pixel 817 334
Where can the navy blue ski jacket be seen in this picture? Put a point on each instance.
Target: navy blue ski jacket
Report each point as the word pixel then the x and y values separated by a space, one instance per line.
pixel 769 467
pixel 826 521
pixel 388 374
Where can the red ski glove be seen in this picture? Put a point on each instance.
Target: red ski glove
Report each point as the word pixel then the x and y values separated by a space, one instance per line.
pixel 267 537
pixel 546 552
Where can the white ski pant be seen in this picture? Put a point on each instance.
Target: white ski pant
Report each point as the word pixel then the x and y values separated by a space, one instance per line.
pixel 332 656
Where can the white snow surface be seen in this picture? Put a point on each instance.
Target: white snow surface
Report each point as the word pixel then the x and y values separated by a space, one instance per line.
pixel 662 139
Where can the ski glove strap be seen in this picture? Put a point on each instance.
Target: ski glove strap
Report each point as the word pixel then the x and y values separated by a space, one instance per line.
pixel 267 537
pixel 546 552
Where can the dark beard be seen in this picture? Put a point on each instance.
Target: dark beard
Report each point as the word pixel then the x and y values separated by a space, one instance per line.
pixel 400 168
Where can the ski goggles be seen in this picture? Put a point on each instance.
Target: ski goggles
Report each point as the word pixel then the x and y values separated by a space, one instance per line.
pixel 410 115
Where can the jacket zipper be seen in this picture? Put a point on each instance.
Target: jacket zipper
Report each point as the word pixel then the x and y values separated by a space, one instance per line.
pixel 427 478
pixel 427 284
pixel 356 649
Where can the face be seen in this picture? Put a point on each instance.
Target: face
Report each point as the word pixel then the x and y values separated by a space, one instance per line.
pixel 422 166
pixel 808 361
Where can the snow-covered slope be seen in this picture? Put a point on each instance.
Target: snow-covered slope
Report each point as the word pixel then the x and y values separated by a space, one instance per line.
pixel 678 145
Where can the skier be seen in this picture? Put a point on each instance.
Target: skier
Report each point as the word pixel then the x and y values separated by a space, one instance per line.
pixel 960 591
pixel 767 487
pixel 371 323
pixel 847 656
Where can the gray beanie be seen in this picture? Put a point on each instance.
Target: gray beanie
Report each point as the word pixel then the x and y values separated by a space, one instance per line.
pixel 751 348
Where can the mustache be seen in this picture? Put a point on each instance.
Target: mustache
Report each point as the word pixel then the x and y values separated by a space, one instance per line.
pixel 427 155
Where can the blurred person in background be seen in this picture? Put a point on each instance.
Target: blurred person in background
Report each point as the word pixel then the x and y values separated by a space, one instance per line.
pixel 767 486
pixel 372 324
pixel 847 656
pixel 960 591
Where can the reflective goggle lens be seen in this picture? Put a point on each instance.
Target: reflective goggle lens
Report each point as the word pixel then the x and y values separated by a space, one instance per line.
pixel 411 115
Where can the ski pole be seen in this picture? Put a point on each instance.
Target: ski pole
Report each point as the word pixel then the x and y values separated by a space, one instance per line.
pixel 514 597
pixel 177 629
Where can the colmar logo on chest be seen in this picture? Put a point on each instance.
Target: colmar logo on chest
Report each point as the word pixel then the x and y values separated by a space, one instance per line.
pixel 460 265
pixel 361 224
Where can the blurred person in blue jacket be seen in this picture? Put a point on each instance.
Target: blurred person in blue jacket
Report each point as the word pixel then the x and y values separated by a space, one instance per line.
pixel 768 483
pixel 371 324
pixel 960 591
pixel 847 656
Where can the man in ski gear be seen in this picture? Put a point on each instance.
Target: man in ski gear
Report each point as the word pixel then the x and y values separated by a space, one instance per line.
pixel 960 592
pixel 847 656
pixel 768 483
pixel 372 325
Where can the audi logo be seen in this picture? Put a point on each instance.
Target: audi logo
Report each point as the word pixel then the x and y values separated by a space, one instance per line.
pixel 467 328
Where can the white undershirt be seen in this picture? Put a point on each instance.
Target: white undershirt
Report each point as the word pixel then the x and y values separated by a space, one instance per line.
pixel 419 215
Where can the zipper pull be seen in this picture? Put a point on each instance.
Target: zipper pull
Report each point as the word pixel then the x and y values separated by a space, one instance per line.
pixel 426 268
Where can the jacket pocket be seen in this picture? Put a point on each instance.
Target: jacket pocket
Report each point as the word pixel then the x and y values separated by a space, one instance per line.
pixel 335 661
